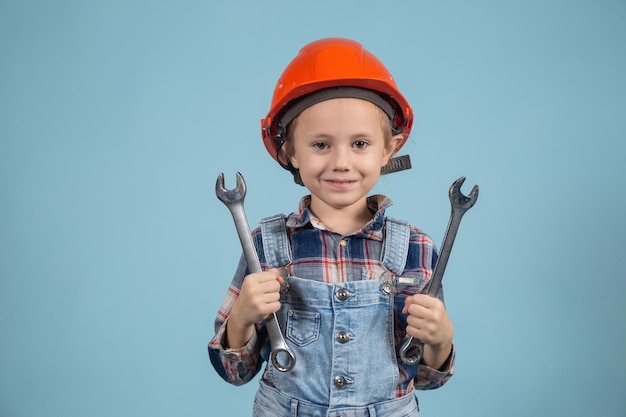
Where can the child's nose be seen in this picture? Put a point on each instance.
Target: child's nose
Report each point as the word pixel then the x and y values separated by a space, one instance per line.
pixel 341 159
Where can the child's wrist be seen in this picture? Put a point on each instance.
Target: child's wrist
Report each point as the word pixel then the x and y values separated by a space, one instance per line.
pixel 237 334
pixel 437 355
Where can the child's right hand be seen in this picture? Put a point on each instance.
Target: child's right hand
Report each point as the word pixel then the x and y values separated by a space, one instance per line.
pixel 258 298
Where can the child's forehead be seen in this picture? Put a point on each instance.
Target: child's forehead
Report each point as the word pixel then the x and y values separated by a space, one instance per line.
pixel 342 115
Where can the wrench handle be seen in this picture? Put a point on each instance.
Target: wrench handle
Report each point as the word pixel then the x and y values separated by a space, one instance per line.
pixel 444 253
pixel 245 237
pixel 282 356
pixel 412 349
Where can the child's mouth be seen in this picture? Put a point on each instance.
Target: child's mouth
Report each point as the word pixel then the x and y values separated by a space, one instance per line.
pixel 340 183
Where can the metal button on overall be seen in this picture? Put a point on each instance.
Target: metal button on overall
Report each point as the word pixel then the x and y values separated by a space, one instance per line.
pixel 340 382
pixel 343 337
pixel 386 288
pixel 342 294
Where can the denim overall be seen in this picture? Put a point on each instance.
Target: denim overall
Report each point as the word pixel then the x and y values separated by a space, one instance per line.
pixel 342 336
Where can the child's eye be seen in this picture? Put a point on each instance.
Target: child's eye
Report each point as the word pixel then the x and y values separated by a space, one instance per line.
pixel 360 144
pixel 320 146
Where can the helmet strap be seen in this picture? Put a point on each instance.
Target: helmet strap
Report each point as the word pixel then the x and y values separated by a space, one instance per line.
pixel 395 164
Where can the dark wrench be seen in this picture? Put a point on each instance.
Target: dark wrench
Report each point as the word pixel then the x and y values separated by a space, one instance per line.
pixel 413 349
pixel 233 199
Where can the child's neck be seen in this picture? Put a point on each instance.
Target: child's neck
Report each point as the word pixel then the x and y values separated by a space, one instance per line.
pixel 344 220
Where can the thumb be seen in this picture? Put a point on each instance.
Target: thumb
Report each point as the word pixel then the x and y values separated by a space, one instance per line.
pixel 407 302
pixel 279 277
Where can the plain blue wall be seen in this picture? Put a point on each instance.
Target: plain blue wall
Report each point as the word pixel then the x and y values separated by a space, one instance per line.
pixel 117 116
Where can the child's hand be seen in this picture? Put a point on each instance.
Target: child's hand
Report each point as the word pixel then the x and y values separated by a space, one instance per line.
pixel 258 298
pixel 429 322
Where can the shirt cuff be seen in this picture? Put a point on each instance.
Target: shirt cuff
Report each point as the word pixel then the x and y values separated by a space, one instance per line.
pixel 239 354
pixel 239 365
pixel 431 378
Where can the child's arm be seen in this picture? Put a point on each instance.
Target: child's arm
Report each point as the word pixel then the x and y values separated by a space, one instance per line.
pixel 235 350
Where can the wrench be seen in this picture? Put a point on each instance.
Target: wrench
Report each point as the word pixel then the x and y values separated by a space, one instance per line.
pixel 412 349
pixel 233 199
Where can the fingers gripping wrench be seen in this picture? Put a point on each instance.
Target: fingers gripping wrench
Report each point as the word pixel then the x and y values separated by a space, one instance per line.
pixel 233 199
pixel 413 349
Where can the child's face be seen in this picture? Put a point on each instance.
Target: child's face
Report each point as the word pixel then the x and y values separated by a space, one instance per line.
pixel 339 147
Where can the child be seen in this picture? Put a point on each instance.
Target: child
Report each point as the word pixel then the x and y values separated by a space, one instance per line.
pixel 344 280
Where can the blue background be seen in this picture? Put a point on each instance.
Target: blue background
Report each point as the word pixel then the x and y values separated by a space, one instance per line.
pixel 116 117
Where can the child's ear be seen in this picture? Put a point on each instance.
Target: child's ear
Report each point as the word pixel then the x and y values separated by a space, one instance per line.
pixel 394 145
pixel 291 157
pixel 294 161
pixel 289 154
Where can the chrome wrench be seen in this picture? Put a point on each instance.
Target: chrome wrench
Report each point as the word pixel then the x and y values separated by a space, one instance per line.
pixel 233 199
pixel 412 349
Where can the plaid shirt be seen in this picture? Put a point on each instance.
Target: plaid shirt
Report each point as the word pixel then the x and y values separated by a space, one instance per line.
pixel 314 246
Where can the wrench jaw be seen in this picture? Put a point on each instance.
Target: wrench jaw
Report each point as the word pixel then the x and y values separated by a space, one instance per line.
pixel 227 196
pixel 458 199
pixel 283 359
pixel 411 351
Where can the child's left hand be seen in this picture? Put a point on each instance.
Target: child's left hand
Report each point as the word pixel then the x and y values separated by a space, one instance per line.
pixel 429 322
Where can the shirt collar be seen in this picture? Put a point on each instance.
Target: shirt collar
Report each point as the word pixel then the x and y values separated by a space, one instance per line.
pixel 377 204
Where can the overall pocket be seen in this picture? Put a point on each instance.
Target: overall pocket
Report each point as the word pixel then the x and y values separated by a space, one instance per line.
pixel 303 327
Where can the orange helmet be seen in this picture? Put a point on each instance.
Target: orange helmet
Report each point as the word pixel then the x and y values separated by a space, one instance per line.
pixel 331 68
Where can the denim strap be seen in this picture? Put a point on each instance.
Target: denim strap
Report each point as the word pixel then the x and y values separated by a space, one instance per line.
pixel 395 245
pixel 276 245
pixel 277 248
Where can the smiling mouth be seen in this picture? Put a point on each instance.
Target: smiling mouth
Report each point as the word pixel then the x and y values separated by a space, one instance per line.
pixel 340 183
